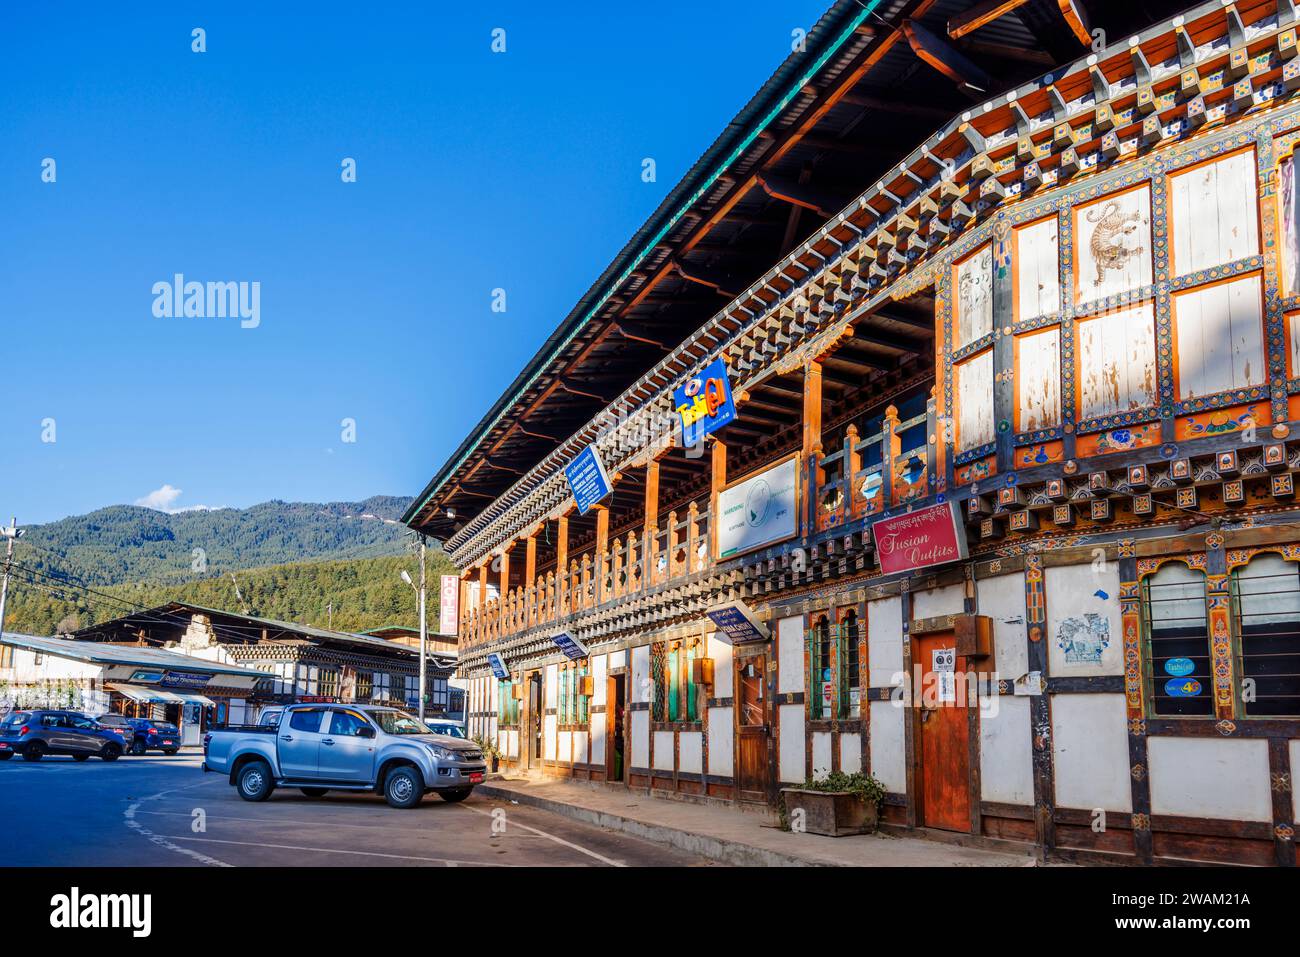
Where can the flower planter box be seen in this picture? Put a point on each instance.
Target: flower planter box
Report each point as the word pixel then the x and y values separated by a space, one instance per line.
pixel 833 813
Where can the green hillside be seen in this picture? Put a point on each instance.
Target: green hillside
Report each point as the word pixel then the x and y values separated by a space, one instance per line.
pixel 366 592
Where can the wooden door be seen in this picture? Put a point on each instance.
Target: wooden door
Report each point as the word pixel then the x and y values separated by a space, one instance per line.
pixel 752 729
pixel 534 729
pixel 615 716
pixel 942 735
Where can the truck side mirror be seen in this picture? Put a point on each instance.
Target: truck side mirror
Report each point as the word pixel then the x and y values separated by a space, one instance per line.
pixel 365 731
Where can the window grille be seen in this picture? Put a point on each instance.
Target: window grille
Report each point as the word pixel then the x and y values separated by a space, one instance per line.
pixel 1266 612
pixel 1179 675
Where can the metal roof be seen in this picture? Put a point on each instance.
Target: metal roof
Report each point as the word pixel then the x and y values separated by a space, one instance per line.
pixel 101 653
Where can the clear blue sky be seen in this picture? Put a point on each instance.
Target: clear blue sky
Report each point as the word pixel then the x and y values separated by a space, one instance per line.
pixel 475 170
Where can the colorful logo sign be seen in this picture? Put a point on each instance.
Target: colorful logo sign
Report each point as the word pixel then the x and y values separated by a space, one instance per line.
pixel 704 403
pixel 920 539
pixel 1182 687
pixel 498 666
pixel 759 510
pixel 587 478
pixel 1179 666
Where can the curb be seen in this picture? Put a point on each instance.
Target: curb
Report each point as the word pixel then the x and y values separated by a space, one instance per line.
pixel 715 848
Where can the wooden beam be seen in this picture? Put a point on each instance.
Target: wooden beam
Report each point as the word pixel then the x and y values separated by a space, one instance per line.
pixel 696 275
pixel 944 58
pixel 981 14
pixel 1076 18
pixel 637 333
pixel 778 187
pixel 890 104
pixel 717 480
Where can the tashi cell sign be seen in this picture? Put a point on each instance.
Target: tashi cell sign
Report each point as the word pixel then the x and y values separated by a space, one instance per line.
pixel 737 624
pixel 704 403
pixel 588 480
pixel 920 539
pixel 498 666
pixel 760 509
pixel 573 649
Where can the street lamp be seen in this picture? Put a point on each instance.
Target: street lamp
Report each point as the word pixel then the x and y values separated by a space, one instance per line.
pixel 424 627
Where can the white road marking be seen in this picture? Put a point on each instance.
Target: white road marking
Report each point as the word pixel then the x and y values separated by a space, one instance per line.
pixel 129 816
pixel 551 837
pixel 450 862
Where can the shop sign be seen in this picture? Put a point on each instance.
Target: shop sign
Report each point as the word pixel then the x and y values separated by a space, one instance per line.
pixel 704 404
pixel 920 539
pixel 498 666
pixel 1179 667
pixel 147 677
pixel 759 510
pixel 573 649
pixel 588 480
pixel 1182 687
pixel 449 606
pixel 737 624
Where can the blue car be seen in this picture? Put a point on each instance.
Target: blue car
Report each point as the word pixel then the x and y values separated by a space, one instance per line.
pixel 34 734
pixel 154 736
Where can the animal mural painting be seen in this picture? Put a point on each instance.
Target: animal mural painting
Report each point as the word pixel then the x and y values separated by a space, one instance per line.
pixel 1115 255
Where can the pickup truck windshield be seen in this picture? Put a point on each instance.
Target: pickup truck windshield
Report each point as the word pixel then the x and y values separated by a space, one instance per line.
pixel 397 722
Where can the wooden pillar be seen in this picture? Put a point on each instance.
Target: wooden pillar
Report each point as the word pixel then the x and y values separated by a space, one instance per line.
pixel 602 550
pixel 719 480
pixel 812 441
pixel 650 532
pixel 504 581
pixel 530 576
pixel 562 564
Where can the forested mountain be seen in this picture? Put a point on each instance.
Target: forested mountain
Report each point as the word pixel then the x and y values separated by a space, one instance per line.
pixel 366 593
pixel 290 559
pixel 127 543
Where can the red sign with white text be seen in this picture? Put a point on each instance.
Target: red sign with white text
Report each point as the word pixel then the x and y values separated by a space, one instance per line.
pixel 449 605
pixel 928 536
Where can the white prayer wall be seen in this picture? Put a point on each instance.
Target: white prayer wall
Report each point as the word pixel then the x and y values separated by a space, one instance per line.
pixel 1117 362
pixel 974 297
pixel 1038 270
pixel 1215 213
pixel 974 380
pixel 1220 330
pixel 1038 379
pixel 1113 245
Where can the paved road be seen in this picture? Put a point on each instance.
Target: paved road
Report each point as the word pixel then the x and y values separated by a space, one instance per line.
pixel 160 810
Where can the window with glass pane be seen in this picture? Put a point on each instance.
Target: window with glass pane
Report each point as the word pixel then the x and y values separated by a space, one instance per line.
pixel 674 685
pixel 850 673
pixel 1266 603
pixel 688 677
pixel 1178 639
pixel 658 680
pixel 583 700
pixel 821 658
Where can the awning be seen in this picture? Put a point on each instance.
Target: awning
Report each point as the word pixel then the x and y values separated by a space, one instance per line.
pixel 139 693
pixel 193 698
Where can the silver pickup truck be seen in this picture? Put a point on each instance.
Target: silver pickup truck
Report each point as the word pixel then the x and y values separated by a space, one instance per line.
pixel 318 748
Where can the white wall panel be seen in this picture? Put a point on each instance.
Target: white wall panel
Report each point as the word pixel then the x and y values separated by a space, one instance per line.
pixel 1117 361
pixel 885 642
pixel 974 297
pixel 933 602
pixel 790 642
pixel 663 755
pixel 888 754
pixel 1038 380
pixel 723 670
pixel 690 752
pixel 550 727
pixel 790 746
pixel 821 753
pixel 1084 628
pixel 1210 777
pixel 1038 270
pixel 974 379
pixel 598 734
pixel 1090 748
pixel 1006 753
pixel 1220 331
pixel 1215 213
pixel 599 677
pixel 564 746
pixel 618 659
pixel 640 739
pixel 1003 599
pixel 640 690
pixel 850 753
pixel 721 741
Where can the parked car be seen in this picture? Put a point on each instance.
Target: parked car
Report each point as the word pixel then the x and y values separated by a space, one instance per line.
pixel 34 734
pixel 319 748
pixel 120 724
pixel 453 729
pixel 155 736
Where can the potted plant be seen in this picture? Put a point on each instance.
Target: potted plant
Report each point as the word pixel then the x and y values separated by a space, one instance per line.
pixel 491 752
pixel 834 805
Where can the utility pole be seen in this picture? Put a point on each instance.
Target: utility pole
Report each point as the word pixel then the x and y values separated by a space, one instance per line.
pixel 12 534
pixel 424 632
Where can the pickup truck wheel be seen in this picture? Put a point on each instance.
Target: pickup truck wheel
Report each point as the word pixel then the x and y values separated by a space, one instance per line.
pixel 111 752
pixel 81 757
pixel 34 751
pixel 255 782
pixel 138 748
pixel 314 792
pixel 404 787
pixel 455 794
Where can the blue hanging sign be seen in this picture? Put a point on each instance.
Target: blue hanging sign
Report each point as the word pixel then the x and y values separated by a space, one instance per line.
pixel 1182 687
pixel 704 403
pixel 1179 666
pixel 737 624
pixel 573 649
pixel 587 478
pixel 498 666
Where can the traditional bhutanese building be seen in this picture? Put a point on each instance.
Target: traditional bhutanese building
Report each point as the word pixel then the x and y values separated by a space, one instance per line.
pixel 944 409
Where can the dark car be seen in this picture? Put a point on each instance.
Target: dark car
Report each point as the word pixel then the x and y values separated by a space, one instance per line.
pixel 34 734
pixel 120 724
pixel 154 736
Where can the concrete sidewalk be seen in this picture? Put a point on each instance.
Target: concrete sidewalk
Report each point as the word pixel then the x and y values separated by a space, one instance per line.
pixel 731 836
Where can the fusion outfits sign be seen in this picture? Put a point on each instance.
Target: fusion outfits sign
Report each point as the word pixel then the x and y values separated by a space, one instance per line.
pixel 704 403
pixel 587 479
pixel 928 536
pixel 759 510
